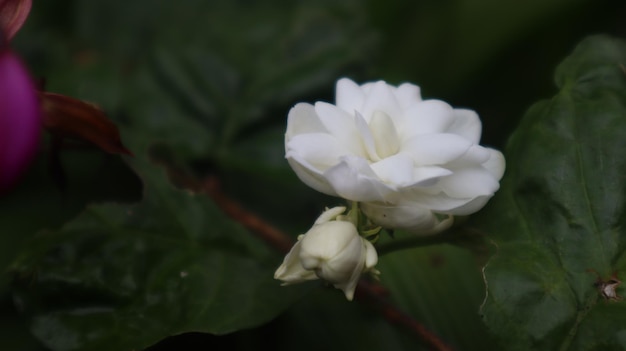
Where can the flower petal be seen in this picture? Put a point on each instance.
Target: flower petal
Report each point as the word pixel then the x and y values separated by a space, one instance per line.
pixel 321 151
pixel 436 149
pixel 466 124
pixel 475 155
pixel 309 175
pixel 428 175
pixel 353 179
pixel 349 96
pixel 471 206
pixel 13 14
pixel 380 98
pixel 367 139
pixel 418 218
pixel 303 119
pixel 495 164
pixel 341 125
pixel 371 256
pixel 397 169
pixel 291 271
pixel 20 119
pixel 385 135
pixel 441 203
pixel 426 117
pixel 469 183
pixel 330 214
pixel 408 94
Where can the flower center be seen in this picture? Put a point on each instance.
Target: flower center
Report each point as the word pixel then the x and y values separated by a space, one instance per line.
pixel 385 136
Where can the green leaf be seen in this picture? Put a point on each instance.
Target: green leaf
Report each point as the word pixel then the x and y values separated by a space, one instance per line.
pixel 38 202
pixel 442 288
pixel 559 216
pixel 122 277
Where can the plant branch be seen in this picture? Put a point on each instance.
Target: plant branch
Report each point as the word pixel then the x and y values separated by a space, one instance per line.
pixel 375 295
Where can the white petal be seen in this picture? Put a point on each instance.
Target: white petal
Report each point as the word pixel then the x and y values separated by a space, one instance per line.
pixel 341 125
pixel 371 256
pixel 397 169
pixel 385 135
pixel 380 98
pixel 367 139
pixel 400 216
pixel 469 183
pixel 495 164
pixel 444 204
pixel 291 271
pixel 327 241
pixel 367 87
pixel 309 175
pixel 330 214
pixel 439 202
pixel 436 149
pixel 321 151
pixel 302 119
pixel 354 180
pixel 408 94
pixel 349 283
pixel 349 286
pixel 467 124
pixel 475 155
pixel 470 207
pixel 426 117
pixel 349 96
pixel 428 175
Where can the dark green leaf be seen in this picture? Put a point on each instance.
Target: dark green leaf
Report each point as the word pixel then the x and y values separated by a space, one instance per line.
pixel 442 288
pixel 121 277
pixel 38 202
pixel 558 221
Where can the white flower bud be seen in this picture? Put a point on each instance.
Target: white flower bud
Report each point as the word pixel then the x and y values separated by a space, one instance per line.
pixel 331 250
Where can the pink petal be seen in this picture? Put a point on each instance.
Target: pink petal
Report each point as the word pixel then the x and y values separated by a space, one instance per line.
pixel 20 120
pixel 13 14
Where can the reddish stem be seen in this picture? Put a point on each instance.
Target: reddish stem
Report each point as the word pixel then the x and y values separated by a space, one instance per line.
pixel 374 293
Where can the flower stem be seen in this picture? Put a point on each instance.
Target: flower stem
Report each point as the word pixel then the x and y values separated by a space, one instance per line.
pixel 354 212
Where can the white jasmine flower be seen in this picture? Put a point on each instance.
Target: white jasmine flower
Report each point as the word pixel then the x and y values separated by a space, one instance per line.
pixel 331 250
pixel 407 160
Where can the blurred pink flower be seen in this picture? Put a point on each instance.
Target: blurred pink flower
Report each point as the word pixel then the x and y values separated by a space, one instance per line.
pixel 20 114
pixel 13 13
pixel 20 120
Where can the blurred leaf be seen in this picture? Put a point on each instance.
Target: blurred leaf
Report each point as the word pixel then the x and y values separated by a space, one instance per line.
pixel 125 276
pixel 442 288
pixel 198 75
pixel 560 212
pixel 323 312
pixel 14 331
pixel 38 203
pixel 343 325
pixel 443 43
pixel 297 49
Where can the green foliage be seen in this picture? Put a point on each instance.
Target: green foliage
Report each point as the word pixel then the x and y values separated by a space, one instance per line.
pixel 121 259
pixel 558 219
pixel 125 276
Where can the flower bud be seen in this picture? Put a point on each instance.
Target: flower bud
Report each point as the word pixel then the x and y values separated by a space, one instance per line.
pixel 331 250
